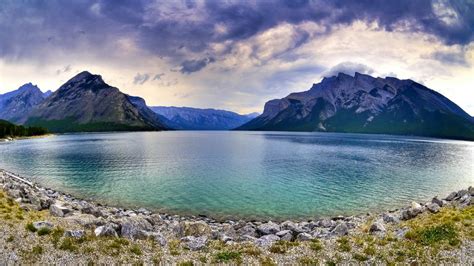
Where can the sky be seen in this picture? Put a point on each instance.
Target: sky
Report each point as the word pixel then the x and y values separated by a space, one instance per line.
pixel 236 55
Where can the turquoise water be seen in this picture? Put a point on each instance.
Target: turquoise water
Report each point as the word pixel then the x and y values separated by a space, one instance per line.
pixel 246 174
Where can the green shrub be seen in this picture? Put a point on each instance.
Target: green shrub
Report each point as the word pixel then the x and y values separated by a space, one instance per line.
pixel 435 234
pixel 37 250
pixel 360 257
pixel 44 231
pixel 135 249
pixel 226 256
pixel 68 244
pixel 30 227
pixel 315 245
pixel 344 244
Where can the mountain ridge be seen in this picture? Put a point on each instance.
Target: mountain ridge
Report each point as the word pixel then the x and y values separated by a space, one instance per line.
pixel 87 103
pixel 364 104
pixel 191 118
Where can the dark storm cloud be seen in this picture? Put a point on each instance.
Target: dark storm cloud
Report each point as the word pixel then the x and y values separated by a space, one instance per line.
pixel 38 28
pixel 190 66
pixel 451 58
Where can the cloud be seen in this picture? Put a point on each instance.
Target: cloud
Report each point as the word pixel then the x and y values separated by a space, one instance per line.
pixel 178 30
pixel 140 79
pixel 158 76
pixel 349 68
pixel 65 69
pixel 451 58
pixel 190 66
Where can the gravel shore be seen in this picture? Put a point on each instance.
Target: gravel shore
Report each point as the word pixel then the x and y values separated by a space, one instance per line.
pixel 44 226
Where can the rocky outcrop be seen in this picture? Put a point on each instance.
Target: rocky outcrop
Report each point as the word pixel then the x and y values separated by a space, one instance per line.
pixel 364 104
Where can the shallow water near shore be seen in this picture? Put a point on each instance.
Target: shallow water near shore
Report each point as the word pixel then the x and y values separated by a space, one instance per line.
pixel 252 175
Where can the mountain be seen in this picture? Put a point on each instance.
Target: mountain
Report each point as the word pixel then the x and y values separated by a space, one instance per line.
pixel 15 105
pixel 364 104
pixel 188 118
pixel 87 103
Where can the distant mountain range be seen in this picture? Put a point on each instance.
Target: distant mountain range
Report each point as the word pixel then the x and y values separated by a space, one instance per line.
pixel 342 103
pixel 364 104
pixel 16 105
pixel 187 118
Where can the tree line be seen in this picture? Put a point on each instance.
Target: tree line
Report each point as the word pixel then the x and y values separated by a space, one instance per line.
pixel 8 129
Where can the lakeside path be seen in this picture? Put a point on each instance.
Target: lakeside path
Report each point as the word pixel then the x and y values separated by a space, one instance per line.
pixel 43 226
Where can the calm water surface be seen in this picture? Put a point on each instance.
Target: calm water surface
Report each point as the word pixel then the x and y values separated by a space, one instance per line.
pixel 246 174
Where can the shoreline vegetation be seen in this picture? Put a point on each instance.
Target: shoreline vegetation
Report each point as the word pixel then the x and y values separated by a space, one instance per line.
pixel 9 131
pixel 44 226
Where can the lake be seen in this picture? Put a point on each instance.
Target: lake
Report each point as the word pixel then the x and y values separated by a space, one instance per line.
pixel 253 175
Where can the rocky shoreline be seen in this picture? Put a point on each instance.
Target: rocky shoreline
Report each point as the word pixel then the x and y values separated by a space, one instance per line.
pixel 81 218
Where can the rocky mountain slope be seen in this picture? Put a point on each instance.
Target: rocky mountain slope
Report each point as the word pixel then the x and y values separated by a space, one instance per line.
pixel 15 105
pixel 87 103
pixel 188 118
pixel 364 104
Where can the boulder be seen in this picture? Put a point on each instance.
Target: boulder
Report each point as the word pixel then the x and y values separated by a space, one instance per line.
pixel 304 237
pixel 326 223
pixel 106 230
pixel 433 207
pixel 451 196
pixel 135 227
pixel 247 238
pixel 286 235
pixel 266 240
pixel 465 199
pixel 40 202
pixel 437 201
pixel 390 218
pixel 189 228
pixel 86 220
pixel 195 243
pixel 268 228
pixel 377 227
pixel 400 233
pixel 340 230
pixel 225 238
pixel 155 219
pixel 471 191
pixel 75 233
pixel 58 210
pixel 248 230
pixel 294 227
pixel 42 224
pixel 462 193
pixel 158 238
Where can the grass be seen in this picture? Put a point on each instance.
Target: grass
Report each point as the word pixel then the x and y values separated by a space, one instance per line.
pixel 344 244
pixel 282 246
pixel 316 245
pixel 30 227
pixel 37 250
pixel 266 261
pixel 435 235
pixel 227 256
pixel 135 249
pixel 360 257
pixel 43 231
pixel 56 235
pixel 68 244
pixel 308 261
pixel 174 247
